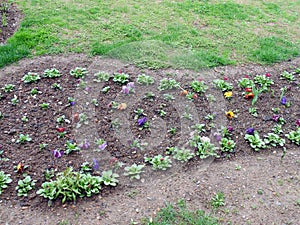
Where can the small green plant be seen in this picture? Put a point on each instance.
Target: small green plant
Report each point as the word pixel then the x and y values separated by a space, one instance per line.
pixel 218 200
pixel 44 105
pixel 294 136
pixel 121 78
pixel 31 78
pixel 182 154
pixel 43 146
pixel 162 113
pixel 209 117
pixel 134 171
pixel 246 83
pixel 56 86
pixel 227 145
pixel 4 181
pixel 25 185
pixel 51 73
pixel 14 100
pixel 172 130
pixel 150 96
pixel 167 84
pixel 255 141
pixel 198 86
pixel 85 167
pixel 71 147
pixel 253 111
pixel 200 128
pixel 34 91
pixel 277 129
pixel 24 119
pixel 274 140
pixel 109 178
pixel 288 76
pixel 24 138
pixel 159 162
pixel 264 81
pixel 95 102
pixel 69 185
pixel 105 89
pixel 145 79
pixel 49 174
pixel 78 72
pixel 204 147
pixel 180 214
pixel 8 88
pixel 101 77
pixel 168 97
pixel 223 85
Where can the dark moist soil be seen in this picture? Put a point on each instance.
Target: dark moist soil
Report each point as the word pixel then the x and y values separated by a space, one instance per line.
pixel 12 15
pixel 41 127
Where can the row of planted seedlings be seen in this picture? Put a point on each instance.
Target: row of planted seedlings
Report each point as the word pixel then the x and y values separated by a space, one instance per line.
pixel 70 184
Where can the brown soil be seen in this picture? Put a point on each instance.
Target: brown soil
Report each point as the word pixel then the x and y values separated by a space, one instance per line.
pixel 193 181
pixel 12 16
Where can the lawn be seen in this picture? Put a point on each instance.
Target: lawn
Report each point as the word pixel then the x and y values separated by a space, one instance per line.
pixel 157 34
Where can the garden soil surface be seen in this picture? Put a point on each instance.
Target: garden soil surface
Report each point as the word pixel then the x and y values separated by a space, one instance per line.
pixel 259 187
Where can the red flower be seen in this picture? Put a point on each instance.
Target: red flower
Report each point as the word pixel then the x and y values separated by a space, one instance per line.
pixel 246 76
pixel 195 96
pixel 162 159
pixel 268 75
pixel 60 129
pixel 225 78
pixel 248 89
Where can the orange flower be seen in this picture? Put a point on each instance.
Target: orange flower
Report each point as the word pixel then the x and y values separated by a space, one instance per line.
pixel 20 167
pixel 249 95
pixel 184 92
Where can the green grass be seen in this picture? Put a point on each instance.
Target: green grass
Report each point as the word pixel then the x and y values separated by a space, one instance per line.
pixel 158 34
pixel 179 214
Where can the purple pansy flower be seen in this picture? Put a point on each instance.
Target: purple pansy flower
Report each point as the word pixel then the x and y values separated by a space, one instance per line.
pixel 142 121
pixel 125 89
pixel 72 103
pixel 298 122
pixel 96 164
pixel 85 145
pixel 250 130
pixel 130 85
pixel 102 146
pixel 283 100
pixel 276 118
pixel 57 153
pixel 230 128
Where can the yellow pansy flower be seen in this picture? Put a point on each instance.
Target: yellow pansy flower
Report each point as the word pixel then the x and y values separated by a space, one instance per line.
pixel 228 94
pixel 230 114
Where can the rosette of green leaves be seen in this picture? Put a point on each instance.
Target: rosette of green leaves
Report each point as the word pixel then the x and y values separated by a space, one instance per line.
pixel 182 154
pixel 246 83
pixel 78 72
pixel 294 136
pixel 274 140
pixel 167 84
pixel 159 162
pixel 223 85
pixel 199 86
pixel 101 77
pixel 264 81
pixel 25 185
pixel 227 145
pixel 4 180
pixel 204 147
pixel 121 78
pixel 145 79
pixel 134 171
pixel 109 178
pixel 255 141
pixel 51 73
pixel 31 78
pixel 71 147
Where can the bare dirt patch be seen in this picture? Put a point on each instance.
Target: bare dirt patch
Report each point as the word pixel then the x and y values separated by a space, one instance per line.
pixel 264 191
